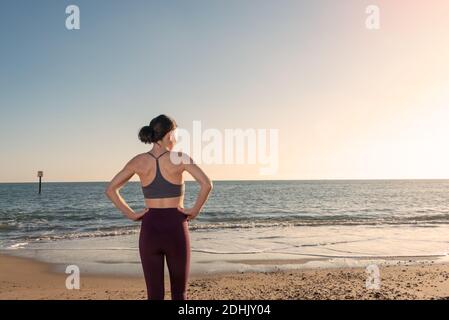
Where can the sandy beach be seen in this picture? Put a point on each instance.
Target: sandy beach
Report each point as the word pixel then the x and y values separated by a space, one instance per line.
pixel 28 279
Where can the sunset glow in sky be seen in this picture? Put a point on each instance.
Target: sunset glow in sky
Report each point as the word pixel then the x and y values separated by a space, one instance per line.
pixel 349 103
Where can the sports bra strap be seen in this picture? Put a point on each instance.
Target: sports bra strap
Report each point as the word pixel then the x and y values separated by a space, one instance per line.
pixel 158 156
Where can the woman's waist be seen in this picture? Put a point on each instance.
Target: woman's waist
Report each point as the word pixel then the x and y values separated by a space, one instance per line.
pixel 165 202
pixel 164 215
pixel 153 209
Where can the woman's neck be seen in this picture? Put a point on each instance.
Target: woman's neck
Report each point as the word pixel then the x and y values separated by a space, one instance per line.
pixel 158 149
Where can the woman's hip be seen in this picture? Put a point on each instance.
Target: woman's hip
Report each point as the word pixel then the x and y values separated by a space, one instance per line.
pixel 163 220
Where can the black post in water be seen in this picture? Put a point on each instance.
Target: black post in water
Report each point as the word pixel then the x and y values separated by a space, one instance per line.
pixel 40 174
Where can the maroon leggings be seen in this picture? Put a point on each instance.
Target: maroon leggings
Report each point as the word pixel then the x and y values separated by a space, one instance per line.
pixel 165 232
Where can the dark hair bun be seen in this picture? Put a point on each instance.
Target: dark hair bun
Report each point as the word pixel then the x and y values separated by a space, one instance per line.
pixel 146 134
pixel 157 129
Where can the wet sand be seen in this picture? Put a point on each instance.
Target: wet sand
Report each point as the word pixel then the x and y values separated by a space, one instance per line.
pixel 27 279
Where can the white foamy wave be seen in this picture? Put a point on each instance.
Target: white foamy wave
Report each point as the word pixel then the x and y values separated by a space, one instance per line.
pixel 19 245
pixel 200 227
pixel 81 235
pixel 237 225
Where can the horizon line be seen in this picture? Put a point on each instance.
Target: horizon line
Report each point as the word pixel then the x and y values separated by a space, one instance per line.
pixel 250 180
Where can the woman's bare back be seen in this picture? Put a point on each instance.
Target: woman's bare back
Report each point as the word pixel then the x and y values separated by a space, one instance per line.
pixel 170 171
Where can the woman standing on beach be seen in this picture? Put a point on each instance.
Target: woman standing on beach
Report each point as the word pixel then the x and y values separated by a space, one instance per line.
pixel 164 222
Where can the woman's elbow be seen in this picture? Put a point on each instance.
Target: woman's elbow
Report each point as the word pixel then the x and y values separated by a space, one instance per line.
pixel 208 185
pixel 109 190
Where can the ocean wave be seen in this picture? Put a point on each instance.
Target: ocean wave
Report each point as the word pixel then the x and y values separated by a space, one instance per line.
pixel 48 236
pixel 19 245
pixel 61 233
pixel 8 226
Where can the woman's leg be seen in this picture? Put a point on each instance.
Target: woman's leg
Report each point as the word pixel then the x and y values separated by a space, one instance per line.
pixel 178 265
pixel 152 259
pixel 153 269
pixel 178 260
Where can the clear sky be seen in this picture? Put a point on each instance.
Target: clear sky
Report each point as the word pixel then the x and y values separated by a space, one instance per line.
pixel 349 103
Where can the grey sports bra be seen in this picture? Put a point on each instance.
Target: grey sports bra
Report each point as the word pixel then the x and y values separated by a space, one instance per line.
pixel 160 187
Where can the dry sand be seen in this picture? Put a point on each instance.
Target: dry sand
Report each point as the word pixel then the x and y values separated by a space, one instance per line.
pixel 26 279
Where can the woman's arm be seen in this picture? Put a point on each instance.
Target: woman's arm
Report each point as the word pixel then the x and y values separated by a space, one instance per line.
pixel 114 186
pixel 205 188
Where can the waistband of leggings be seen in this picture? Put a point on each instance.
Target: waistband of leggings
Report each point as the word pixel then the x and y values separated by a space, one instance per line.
pixel 162 209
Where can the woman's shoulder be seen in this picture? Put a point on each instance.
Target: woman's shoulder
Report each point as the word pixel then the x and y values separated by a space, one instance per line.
pixel 138 158
pixel 178 157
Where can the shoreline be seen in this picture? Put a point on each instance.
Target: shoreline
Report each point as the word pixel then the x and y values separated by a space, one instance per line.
pixel 25 278
pixel 256 249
